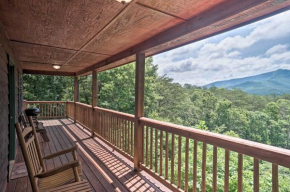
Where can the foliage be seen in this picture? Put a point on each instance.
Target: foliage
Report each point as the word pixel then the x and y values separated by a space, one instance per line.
pixel 47 88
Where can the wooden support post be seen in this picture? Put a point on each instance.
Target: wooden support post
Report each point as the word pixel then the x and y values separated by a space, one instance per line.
pixel 75 96
pixel 139 109
pixel 24 105
pixel 95 89
pixel 94 99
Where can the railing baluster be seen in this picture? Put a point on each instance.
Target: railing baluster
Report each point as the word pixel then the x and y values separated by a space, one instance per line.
pixel 240 173
pixel 56 112
pixel 111 128
pixel 256 175
pixel 52 109
pixel 186 164
pixel 61 109
pixel 166 156
pixel 106 126
pixel 161 153
pixel 128 136
pixel 43 110
pixel 179 162
pixel 132 139
pixel 151 147
pixel 172 158
pixel 146 146
pixel 203 181
pixel 194 165
pixel 123 134
pixel 119 133
pixel 156 149
pixel 214 170
pixel 101 125
pixel 275 178
pixel 227 156
pixel 115 131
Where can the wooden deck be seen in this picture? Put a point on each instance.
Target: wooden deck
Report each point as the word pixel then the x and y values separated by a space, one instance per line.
pixel 105 169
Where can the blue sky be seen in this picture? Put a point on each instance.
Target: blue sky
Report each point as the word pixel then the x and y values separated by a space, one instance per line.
pixel 257 48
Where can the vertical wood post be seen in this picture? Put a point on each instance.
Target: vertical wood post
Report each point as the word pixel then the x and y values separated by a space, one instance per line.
pixel 94 98
pixel 24 105
pixel 95 89
pixel 139 109
pixel 75 97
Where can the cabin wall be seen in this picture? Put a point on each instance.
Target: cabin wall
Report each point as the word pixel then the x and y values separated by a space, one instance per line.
pixel 5 50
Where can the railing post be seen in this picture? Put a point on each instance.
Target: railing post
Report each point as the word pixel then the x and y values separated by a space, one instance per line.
pixel 24 104
pixel 139 109
pixel 94 98
pixel 75 97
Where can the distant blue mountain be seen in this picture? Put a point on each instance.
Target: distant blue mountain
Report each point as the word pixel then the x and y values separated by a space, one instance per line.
pixel 277 82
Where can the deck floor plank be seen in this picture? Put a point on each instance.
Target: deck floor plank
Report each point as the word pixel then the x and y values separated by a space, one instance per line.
pixel 105 169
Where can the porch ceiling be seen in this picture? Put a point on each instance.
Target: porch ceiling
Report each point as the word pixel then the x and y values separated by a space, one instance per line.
pixel 100 34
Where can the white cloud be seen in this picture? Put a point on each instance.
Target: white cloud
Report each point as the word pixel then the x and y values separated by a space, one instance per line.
pixel 204 62
pixel 277 49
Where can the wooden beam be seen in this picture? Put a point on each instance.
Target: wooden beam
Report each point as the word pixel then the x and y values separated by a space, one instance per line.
pixel 218 13
pixel 56 73
pixel 75 96
pixel 139 108
pixel 95 88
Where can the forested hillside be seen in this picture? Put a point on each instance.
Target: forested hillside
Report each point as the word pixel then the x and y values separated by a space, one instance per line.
pixel 264 119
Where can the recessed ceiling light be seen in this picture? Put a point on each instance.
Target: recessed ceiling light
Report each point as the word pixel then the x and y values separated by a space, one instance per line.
pixel 124 1
pixel 56 66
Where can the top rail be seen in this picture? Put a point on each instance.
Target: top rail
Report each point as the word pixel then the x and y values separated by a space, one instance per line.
pixel 31 102
pixel 116 113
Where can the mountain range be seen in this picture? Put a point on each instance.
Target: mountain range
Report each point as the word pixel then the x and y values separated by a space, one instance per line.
pixel 277 82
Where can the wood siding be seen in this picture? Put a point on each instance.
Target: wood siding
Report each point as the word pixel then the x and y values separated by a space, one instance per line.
pixel 5 49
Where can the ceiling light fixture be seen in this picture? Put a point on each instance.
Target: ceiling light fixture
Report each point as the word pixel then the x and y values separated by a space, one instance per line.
pixel 56 66
pixel 124 1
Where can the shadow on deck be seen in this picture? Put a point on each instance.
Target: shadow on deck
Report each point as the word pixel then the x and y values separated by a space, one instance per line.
pixel 105 169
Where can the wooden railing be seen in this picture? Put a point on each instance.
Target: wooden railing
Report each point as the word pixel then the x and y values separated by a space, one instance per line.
pixel 48 109
pixel 115 128
pixel 181 157
pixel 70 109
pixel 167 148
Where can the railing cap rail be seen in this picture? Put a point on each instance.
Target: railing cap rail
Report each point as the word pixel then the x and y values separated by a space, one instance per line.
pixel 83 104
pixel 45 101
pixel 126 115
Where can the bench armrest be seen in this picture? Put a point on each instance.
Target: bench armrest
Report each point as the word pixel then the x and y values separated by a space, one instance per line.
pixel 61 152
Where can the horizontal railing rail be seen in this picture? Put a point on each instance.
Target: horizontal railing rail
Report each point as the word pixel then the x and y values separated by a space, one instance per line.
pixel 48 109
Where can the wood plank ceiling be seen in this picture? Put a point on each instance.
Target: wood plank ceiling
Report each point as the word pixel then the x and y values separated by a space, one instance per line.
pixel 81 35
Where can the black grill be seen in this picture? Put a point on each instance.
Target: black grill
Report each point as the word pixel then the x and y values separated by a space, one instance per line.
pixel 32 112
